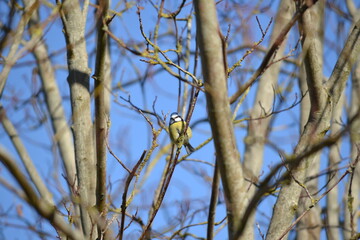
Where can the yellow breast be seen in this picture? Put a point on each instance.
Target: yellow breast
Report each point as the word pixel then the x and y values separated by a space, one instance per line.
pixel 175 130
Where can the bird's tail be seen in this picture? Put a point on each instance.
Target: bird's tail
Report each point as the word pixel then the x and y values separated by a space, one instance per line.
pixel 189 149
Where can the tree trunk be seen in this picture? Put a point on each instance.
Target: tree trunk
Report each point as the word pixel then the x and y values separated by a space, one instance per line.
pixel 74 19
pixel 213 59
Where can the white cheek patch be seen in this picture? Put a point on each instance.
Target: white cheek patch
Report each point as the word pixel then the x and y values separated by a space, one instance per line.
pixel 177 119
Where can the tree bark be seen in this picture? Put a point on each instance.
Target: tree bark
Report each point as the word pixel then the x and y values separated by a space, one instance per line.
pixel 214 69
pixel 102 78
pixel 74 20
pixel 312 23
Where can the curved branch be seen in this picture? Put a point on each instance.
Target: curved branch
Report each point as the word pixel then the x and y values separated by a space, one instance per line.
pixel 24 156
pixel 43 208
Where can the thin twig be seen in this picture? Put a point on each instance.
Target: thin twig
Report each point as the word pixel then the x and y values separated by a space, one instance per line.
pixel 252 49
pixel 124 196
pixel 302 185
pixel 294 104
pixel 118 159
pixel 164 187
pixel 274 47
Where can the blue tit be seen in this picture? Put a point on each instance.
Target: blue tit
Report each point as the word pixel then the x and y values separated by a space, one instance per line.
pixel 176 131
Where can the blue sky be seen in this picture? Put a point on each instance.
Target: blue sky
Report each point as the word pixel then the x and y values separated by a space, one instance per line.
pixel 130 133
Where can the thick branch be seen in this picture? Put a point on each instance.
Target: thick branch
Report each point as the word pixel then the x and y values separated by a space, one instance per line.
pixel 215 76
pixel 213 203
pixel 101 109
pixel 46 210
pixel 18 34
pixel 24 156
pixel 342 69
pixel 315 129
pixel 62 133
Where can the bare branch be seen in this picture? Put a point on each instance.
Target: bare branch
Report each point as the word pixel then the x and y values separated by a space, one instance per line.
pixel 213 202
pixel 24 156
pixel 274 47
pixel 43 207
